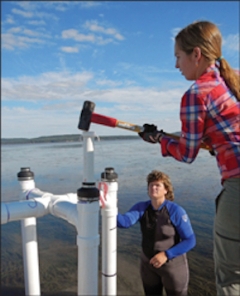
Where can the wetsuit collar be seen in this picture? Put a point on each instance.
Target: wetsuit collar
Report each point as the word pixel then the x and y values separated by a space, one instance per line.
pixel 161 206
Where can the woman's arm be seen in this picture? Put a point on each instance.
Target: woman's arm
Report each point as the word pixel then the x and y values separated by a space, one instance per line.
pixel 185 245
pixel 183 226
pixel 132 216
pixel 192 115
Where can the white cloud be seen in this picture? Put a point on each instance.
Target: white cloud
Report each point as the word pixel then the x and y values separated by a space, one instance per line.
pixel 37 23
pixel 231 42
pixel 27 5
pixel 18 37
pixel 58 98
pixel 56 121
pixel 95 27
pixel 101 41
pixel 34 123
pixel 30 32
pixel 60 86
pixel 174 33
pixel 49 86
pixel 10 20
pixel 32 9
pixel 69 49
pixel 73 34
pixel 11 41
pixel 107 82
pixel 90 4
pixel 14 30
pixel 93 36
pixel 45 15
pixel 60 7
pixel 26 14
pixel 22 37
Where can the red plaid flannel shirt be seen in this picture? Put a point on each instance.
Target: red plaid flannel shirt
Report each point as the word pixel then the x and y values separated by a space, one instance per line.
pixel 209 113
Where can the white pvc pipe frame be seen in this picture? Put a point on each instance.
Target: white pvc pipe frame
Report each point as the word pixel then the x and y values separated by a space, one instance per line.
pixel 109 237
pixel 34 203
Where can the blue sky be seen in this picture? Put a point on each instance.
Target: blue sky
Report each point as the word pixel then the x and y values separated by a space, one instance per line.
pixel 118 54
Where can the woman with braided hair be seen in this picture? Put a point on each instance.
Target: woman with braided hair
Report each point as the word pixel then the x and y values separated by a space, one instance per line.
pixel 210 113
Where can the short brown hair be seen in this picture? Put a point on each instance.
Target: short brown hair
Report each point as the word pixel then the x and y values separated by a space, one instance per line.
pixel 160 176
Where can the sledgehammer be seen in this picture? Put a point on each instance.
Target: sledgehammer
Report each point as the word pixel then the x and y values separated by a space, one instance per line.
pixel 87 116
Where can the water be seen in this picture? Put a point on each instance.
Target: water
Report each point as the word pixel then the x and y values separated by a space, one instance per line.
pixel 58 168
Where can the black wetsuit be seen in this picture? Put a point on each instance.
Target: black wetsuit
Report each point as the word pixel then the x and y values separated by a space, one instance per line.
pixel 166 229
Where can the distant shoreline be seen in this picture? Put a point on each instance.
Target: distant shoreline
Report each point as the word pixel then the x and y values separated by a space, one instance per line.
pixel 61 139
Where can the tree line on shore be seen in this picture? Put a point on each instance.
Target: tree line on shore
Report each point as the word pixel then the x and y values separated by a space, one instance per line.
pixel 61 138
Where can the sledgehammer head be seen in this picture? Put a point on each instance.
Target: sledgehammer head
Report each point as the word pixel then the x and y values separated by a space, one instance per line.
pixel 85 116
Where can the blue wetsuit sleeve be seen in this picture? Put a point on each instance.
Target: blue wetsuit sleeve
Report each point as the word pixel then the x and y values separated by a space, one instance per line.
pixel 183 227
pixel 183 247
pixel 132 216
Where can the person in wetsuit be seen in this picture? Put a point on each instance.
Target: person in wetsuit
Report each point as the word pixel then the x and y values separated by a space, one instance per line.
pixel 167 236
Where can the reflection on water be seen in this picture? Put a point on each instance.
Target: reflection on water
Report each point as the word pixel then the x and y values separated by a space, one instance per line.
pixel 58 168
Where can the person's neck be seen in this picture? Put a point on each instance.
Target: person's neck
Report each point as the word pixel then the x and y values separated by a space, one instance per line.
pixel 202 67
pixel 157 203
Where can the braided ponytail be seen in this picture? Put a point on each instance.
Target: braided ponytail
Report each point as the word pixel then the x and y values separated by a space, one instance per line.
pixel 230 76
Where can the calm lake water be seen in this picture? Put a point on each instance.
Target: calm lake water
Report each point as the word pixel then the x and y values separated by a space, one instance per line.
pixel 58 168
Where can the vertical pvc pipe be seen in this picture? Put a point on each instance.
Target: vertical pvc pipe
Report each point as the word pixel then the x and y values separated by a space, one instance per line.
pixel 29 239
pixel 108 190
pixel 88 224
pixel 88 157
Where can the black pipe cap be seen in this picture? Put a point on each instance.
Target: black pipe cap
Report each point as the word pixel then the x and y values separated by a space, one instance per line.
pixel 25 174
pixel 109 174
pixel 88 192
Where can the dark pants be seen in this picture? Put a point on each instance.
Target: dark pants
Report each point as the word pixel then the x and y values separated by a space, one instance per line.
pixel 227 239
pixel 173 276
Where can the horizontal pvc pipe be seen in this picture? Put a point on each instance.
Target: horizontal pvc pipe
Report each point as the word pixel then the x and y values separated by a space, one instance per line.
pixel 38 193
pixel 38 204
pixel 35 192
pixel 65 207
pixel 19 210
pixel 71 197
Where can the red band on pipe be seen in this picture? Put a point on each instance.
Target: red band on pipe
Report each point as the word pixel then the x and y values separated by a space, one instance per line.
pixel 105 120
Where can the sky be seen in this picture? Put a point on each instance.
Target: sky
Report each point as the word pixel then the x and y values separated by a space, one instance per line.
pixel 55 55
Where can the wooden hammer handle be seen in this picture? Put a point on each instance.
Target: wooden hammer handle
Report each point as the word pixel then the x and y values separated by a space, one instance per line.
pixel 113 122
